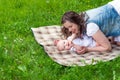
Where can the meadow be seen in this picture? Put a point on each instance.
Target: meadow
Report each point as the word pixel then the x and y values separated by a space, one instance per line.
pixel 22 58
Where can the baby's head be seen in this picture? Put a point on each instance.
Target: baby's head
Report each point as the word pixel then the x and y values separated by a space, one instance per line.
pixel 63 44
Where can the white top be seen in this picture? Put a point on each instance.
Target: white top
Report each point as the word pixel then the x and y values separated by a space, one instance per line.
pixel 86 41
pixel 90 30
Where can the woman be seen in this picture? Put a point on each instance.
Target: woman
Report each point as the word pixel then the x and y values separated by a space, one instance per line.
pixel 99 23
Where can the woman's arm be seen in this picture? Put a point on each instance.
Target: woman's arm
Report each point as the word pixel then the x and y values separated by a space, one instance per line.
pixel 99 37
pixel 104 44
pixel 79 49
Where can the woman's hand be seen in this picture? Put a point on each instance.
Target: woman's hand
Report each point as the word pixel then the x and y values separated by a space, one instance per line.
pixel 80 49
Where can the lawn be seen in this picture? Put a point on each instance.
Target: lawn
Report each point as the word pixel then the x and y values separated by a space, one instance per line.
pixel 22 58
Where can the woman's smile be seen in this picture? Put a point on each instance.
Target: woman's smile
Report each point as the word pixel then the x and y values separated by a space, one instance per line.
pixel 72 27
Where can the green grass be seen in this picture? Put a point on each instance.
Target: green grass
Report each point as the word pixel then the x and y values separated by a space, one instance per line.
pixel 22 58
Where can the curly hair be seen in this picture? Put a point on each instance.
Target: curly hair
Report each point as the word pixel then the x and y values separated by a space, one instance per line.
pixel 76 19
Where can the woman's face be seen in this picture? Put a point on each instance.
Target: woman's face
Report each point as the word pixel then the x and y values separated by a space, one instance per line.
pixel 72 27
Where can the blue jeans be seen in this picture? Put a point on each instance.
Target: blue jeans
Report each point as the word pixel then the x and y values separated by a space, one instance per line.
pixel 107 18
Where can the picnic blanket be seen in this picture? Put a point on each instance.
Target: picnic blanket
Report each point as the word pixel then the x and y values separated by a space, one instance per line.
pixel 46 35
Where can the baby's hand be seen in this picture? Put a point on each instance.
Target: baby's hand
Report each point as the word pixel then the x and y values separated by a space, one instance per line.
pixel 69 41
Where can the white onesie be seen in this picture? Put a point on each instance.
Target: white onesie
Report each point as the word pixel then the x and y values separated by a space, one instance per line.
pixel 85 41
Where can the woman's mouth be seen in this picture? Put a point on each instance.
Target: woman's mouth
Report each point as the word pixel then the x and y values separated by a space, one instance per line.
pixel 74 31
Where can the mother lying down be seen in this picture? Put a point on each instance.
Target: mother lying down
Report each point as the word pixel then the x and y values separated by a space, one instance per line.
pixel 98 23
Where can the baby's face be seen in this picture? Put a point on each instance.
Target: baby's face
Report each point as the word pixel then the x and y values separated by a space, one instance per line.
pixel 64 45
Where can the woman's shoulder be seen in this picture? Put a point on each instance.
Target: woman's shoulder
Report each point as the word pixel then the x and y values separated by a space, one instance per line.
pixel 91 24
pixel 91 28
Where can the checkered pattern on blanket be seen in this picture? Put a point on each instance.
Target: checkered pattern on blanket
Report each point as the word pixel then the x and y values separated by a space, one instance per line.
pixel 47 34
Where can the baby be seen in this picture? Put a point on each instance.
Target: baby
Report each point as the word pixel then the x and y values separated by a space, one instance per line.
pixel 70 44
pixel 86 41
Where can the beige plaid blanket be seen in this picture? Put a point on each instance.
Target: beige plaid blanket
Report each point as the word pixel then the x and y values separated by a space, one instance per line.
pixel 47 34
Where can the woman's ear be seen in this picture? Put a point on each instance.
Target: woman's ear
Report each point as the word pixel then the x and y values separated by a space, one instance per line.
pixel 55 42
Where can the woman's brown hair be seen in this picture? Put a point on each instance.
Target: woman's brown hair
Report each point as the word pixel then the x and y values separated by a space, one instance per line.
pixel 76 19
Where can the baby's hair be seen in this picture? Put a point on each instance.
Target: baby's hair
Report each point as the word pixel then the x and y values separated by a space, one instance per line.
pixel 56 44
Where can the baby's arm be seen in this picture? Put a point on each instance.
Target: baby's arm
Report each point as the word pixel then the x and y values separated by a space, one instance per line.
pixel 72 37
